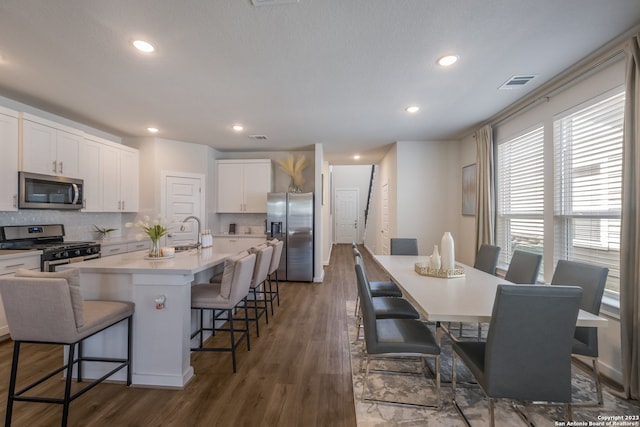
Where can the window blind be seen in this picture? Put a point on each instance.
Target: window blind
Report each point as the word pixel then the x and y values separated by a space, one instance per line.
pixel 520 194
pixel 588 185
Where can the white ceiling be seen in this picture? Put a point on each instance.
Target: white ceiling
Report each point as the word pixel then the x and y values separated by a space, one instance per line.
pixel 335 72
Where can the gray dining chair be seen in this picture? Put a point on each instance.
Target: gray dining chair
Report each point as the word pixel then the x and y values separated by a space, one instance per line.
pixel 527 354
pixel 523 268
pixel 487 258
pixel 592 280
pixel 378 288
pixel 404 246
pixel 394 338
pixel 383 307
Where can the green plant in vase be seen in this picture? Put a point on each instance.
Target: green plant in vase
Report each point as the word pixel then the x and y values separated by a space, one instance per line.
pixel 103 232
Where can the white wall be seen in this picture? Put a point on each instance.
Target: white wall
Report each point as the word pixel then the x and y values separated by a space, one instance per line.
pixel 428 190
pixel 424 194
pixel 327 214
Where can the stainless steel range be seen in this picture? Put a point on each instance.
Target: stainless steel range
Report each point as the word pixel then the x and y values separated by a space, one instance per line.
pixel 50 240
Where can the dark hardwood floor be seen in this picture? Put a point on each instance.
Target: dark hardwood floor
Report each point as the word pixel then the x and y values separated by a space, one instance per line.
pixel 297 373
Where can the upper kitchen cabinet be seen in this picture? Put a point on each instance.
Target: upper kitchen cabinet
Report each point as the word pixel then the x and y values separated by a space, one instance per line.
pixel 120 182
pixel 49 148
pixel 8 160
pixel 110 174
pixel 243 185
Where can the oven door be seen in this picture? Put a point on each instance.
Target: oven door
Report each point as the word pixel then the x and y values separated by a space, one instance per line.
pixel 51 265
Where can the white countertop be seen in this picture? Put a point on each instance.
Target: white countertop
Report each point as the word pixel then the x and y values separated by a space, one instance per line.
pixel 190 262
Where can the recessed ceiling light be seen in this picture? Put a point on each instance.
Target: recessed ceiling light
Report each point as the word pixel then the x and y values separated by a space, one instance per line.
pixel 356 157
pixel 412 109
pixel 448 60
pixel 153 130
pixel 143 46
pixel 238 128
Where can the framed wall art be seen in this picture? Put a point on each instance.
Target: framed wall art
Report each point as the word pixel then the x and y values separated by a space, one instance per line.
pixel 469 190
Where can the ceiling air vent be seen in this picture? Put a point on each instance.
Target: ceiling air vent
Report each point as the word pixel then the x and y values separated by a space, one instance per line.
pixel 516 82
pixel 272 2
pixel 260 137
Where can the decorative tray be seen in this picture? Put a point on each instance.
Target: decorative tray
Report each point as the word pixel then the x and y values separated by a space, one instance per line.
pixel 424 270
pixel 158 258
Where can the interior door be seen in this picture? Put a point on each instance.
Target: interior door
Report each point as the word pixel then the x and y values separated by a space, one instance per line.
pixel 346 214
pixel 183 198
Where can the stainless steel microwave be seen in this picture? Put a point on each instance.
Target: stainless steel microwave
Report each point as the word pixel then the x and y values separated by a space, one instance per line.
pixel 36 191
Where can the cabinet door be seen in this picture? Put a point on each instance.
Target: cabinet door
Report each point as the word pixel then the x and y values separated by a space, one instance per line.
pixel 230 194
pixel 39 148
pixel 257 183
pixel 110 159
pixel 90 172
pixel 8 163
pixel 112 249
pixel 129 180
pixel 67 153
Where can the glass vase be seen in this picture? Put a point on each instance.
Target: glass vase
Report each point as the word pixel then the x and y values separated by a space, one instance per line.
pixel 293 188
pixel 154 249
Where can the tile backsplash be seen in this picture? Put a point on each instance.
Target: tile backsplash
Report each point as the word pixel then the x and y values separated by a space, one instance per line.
pixel 77 225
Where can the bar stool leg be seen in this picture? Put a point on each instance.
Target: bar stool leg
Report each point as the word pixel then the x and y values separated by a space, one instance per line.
pixel 67 387
pixel 12 382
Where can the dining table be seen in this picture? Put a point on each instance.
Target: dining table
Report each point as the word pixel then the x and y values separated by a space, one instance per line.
pixel 467 298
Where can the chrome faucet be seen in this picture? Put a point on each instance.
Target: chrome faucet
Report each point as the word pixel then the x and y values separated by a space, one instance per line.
pixel 198 242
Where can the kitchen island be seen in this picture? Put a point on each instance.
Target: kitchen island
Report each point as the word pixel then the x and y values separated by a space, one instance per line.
pixel 161 290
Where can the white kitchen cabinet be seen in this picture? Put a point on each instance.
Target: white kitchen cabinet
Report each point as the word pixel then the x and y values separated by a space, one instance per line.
pixel 110 174
pixel 109 249
pixel 243 185
pixel 9 265
pixel 235 244
pixel 120 181
pixel 91 174
pixel 8 160
pixel 48 148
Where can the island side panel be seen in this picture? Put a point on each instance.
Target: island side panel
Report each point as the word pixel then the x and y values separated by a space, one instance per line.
pixel 161 337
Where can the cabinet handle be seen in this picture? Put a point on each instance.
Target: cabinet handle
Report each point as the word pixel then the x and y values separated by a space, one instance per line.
pixel 15 200
pixel 61 171
pixel 9 267
pixel 84 203
pixel 114 250
pixel 123 205
pixel 55 167
pixel 119 204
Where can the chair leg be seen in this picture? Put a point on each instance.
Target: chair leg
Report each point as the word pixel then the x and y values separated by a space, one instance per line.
pixel 12 382
pixel 246 325
pixel 79 368
pixel 264 296
pixel 67 387
pixel 129 348
pixel 355 312
pixel 596 377
pixel 271 293
pixel 492 415
pixel 255 311
pixel 233 342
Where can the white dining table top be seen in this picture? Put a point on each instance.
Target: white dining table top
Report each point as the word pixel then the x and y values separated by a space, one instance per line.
pixel 462 299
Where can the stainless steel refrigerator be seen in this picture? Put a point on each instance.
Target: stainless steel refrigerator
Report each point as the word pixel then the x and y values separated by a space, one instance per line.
pixel 290 219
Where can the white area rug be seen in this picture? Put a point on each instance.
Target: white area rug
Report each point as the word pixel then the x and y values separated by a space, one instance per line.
pixel 420 389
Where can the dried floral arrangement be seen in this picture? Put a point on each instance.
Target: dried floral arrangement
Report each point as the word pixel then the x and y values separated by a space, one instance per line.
pixel 294 168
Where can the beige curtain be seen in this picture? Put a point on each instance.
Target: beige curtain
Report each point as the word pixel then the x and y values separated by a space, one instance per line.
pixel 630 231
pixel 485 191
